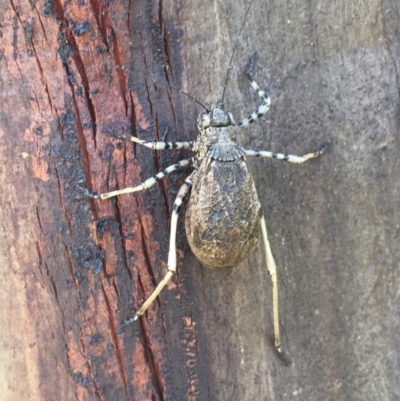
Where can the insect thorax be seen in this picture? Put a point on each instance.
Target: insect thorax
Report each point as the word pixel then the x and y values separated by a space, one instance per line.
pixel 217 137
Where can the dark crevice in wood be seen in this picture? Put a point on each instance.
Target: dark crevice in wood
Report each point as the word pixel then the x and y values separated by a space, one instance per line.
pixel 61 200
pixel 114 337
pixel 100 12
pixel 164 36
pixel 133 123
pixel 41 22
pixel 156 374
pixel 162 183
pixel 122 239
pixel 93 381
pixel 67 33
pixel 387 41
pixel 148 264
pixel 120 70
pixel 71 269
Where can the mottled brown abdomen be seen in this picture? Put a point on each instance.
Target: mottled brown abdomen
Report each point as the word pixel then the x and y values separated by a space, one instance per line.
pixel 222 219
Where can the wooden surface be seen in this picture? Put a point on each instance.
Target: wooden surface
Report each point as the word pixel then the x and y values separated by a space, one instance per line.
pixel 71 269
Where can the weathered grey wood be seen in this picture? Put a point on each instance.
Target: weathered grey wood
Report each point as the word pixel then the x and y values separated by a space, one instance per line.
pixel 332 72
pixel 73 269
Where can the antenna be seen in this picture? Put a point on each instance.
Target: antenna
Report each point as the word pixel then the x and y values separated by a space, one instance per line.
pixel 183 93
pixel 233 53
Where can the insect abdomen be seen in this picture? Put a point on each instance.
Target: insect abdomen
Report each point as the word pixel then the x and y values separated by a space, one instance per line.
pixel 222 219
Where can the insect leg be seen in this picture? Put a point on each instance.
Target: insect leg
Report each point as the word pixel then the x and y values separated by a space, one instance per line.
pixel 146 184
pixel 154 145
pixel 266 100
pixel 184 189
pixel 286 157
pixel 271 266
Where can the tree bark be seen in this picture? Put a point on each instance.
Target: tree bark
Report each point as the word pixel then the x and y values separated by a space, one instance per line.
pixel 73 269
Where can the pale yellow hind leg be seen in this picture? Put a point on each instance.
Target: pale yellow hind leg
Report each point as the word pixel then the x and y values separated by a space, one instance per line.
pixel 271 266
pixel 171 266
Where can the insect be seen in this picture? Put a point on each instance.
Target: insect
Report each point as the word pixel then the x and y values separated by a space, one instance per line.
pixel 223 218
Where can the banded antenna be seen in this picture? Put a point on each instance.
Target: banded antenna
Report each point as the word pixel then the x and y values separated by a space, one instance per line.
pixel 183 93
pixel 233 53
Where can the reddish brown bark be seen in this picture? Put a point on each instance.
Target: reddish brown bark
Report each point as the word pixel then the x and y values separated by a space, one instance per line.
pixel 72 269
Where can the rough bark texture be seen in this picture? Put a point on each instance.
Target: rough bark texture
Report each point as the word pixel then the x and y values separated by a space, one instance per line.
pixel 73 269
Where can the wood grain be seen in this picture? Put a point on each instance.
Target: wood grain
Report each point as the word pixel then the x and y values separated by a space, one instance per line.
pixel 72 269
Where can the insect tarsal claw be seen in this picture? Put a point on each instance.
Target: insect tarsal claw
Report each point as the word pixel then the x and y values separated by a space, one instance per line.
pixel 91 195
pixel 323 148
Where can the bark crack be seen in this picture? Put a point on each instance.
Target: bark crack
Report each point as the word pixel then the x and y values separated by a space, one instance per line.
pixel 71 269
pixel 67 33
pixel 79 129
pixel 147 256
pixel 118 352
pixel 387 42
pixel 101 17
pixel 120 71
pixel 134 122
pixel 53 284
pixel 120 225
pixel 162 183
pixel 167 49
pixel 156 375
pixel 59 186
pixel 41 23
pixel 89 366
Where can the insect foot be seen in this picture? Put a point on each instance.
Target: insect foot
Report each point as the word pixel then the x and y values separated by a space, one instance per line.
pixel 323 148
pixel 250 68
pixel 91 195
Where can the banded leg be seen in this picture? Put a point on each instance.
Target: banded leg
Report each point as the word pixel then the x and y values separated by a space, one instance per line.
pixel 184 189
pixel 155 145
pixel 266 100
pixel 271 267
pixel 286 157
pixel 144 185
